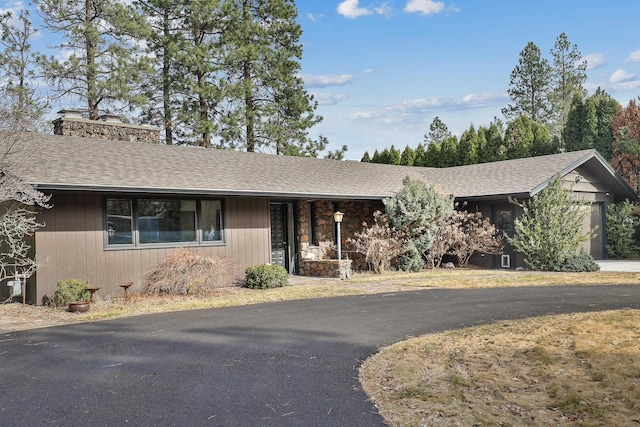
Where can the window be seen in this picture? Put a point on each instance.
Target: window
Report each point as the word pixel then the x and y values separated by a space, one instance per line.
pixel 119 222
pixel 504 219
pixel 145 221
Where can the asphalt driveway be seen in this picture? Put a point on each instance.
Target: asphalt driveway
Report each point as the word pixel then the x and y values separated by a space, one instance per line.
pixel 281 364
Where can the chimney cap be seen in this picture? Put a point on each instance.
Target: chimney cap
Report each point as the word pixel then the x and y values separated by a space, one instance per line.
pixel 114 118
pixel 71 113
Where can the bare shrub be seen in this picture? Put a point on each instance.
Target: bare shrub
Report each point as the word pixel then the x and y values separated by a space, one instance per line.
pixel 189 272
pixel 446 236
pixel 380 244
pixel 479 235
pixel 462 234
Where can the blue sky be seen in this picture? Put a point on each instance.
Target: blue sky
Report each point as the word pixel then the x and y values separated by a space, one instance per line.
pixel 382 70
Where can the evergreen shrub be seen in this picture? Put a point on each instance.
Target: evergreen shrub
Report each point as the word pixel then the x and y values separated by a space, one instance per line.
pixel 266 276
pixel 70 290
pixel 578 263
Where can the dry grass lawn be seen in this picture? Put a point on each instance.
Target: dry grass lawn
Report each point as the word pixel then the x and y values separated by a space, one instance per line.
pixel 578 369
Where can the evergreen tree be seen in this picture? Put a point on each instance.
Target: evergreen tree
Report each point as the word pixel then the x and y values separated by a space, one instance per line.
pixel 606 110
pixel 518 138
pixel 102 68
pixel 580 130
pixel 420 156
pixel 490 142
pixel 432 156
pixel 366 158
pixel 529 87
pixel 267 107
pixel 408 157
pixel 394 156
pixel 569 75
pixel 468 147
pixel 161 29
pixel 18 69
pixel 550 229
pixel 335 154
pixel 416 211
pixel 449 152
pixel 438 132
pixel 376 157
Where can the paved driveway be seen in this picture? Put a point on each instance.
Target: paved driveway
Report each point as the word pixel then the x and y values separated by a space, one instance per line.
pixel 283 364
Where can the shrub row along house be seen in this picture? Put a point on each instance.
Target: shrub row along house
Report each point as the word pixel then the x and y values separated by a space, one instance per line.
pixel 121 201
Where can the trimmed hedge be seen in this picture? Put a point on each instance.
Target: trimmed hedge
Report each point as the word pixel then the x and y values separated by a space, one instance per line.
pixel 266 276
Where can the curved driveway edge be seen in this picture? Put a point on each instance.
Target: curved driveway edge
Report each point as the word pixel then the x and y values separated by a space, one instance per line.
pixel 291 363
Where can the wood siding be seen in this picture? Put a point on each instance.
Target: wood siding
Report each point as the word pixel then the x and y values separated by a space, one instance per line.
pixel 72 244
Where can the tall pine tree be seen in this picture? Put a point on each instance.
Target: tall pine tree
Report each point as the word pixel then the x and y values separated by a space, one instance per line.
pixel 529 87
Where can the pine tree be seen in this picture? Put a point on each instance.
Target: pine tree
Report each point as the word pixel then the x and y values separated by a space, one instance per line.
pixel 267 107
pixel 394 156
pixel 366 158
pixel 529 87
pixel 449 152
pixel 420 156
pixel 569 75
pixel 161 26
pixel 102 68
pixel 408 157
pixel 18 70
pixel 468 147
pixel 606 110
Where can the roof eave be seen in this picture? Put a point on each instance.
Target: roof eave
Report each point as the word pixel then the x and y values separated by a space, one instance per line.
pixel 207 192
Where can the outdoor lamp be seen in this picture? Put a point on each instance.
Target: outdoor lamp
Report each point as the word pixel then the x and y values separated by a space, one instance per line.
pixel 337 217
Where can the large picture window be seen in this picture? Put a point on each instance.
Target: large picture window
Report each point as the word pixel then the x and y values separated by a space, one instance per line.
pixel 146 221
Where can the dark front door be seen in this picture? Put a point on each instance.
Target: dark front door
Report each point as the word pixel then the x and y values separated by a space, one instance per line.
pixel 282 244
pixel 503 218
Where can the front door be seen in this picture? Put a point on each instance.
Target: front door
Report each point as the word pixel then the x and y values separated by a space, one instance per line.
pixel 282 236
pixel 503 219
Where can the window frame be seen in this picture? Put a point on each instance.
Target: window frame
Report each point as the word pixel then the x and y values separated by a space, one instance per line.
pixel 135 226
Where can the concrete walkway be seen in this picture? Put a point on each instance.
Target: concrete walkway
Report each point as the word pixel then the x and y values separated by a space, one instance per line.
pixel 619 265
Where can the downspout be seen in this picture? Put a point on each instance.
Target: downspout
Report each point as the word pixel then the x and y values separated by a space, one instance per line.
pixel 514 201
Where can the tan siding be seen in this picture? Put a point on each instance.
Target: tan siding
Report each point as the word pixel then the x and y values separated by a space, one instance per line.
pixel 72 243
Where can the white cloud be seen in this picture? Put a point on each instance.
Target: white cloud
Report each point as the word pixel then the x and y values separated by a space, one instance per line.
pixel 329 98
pixel 384 9
pixel 349 9
pixel 367 70
pixel 621 76
pixel 594 60
pixel 634 56
pixel 314 18
pixel 424 7
pixel 327 80
pixel 414 110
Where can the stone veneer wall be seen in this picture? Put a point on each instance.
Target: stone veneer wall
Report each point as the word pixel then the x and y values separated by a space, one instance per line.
pixel 311 254
pixel 105 130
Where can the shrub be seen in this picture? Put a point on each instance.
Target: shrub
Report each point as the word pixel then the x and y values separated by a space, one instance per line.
pixel 70 290
pixel 266 276
pixel 578 263
pixel 621 224
pixel 380 244
pixel 551 227
pixel 189 272
pixel 416 210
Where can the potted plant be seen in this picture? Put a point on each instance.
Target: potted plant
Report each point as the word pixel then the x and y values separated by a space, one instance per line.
pixel 74 293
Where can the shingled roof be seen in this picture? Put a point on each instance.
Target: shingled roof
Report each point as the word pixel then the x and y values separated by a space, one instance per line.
pixel 75 163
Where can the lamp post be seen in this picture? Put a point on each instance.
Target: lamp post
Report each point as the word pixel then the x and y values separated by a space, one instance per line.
pixel 337 217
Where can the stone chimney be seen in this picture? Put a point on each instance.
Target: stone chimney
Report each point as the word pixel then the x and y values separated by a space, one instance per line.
pixel 109 126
